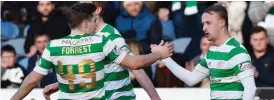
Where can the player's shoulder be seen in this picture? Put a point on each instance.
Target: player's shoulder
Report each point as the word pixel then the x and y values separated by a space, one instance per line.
pixel 110 30
pixel 239 52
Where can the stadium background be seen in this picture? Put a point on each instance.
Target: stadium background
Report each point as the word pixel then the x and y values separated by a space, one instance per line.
pixel 179 22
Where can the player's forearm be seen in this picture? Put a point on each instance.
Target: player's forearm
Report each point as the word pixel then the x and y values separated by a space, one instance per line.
pixel 26 87
pixel 146 60
pixel 249 88
pixel 140 61
pixel 190 78
pixel 146 83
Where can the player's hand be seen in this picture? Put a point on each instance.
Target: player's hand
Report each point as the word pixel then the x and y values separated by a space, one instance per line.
pixel 256 73
pixel 163 49
pixel 49 89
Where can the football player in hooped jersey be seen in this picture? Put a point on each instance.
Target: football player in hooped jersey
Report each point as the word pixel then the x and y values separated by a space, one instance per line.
pixel 79 59
pixel 227 63
pixel 116 87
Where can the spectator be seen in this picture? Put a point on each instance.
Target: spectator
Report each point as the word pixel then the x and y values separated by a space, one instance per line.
pixel 167 25
pixel 262 57
pixel 41 41
pixel 12 75
pixel 25 9
pixel 137 22
pixel 50 21
pixel 204 46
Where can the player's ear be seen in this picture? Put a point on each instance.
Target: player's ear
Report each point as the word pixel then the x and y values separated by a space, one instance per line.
pixel 223 23
pixel 98 10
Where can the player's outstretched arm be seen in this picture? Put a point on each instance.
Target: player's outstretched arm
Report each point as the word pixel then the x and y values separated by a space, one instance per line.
pixel 146 83
pixel 29 83
pixel 190 78
pixel 140 61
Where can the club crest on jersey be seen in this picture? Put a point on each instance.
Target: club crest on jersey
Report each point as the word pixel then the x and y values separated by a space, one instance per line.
pixel 220 64
pixel 244 66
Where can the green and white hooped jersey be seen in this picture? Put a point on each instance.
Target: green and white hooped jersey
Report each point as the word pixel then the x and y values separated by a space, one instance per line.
pixel 117 82
pixel 226 66
pixel 79 61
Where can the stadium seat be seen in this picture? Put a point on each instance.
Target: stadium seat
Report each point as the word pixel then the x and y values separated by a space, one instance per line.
pixel 26 30
pixel 18 44
pixel 181 44
pixel 9 30
pixel 24 62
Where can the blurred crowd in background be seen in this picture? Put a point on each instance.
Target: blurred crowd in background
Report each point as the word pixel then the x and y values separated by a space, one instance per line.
pixel 27 27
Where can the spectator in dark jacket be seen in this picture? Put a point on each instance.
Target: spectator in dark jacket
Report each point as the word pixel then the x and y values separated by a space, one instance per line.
pixel 167 24
pixel 50 21
pixel 137 22
pixel 41 41
pixel 262 58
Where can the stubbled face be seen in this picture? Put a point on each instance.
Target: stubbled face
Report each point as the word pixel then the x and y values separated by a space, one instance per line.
pixel 45 7
pixel 259 41
pixel 133 8
pixel 205 45
pixel 212 25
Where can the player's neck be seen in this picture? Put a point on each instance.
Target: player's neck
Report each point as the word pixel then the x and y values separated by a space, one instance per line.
pixel 223 38
pixel 100 25
pixel 76 31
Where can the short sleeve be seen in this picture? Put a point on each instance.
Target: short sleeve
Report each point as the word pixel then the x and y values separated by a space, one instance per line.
pixel 112 51
pixel 44 64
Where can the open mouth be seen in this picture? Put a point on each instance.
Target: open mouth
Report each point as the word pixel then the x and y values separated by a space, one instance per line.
pixel 206 34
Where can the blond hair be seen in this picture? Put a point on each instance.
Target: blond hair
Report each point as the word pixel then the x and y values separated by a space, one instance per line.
pixel 135 47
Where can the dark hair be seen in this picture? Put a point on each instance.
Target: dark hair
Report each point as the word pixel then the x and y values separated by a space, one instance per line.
pixel 220 10
pixel 258 29
pixel 41 34
pixel 102 4
pixel 79 12
pixel 8 48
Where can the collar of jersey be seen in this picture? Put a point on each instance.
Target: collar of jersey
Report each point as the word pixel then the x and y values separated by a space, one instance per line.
pixel 77 34
pixel 225 42
pixel 102 27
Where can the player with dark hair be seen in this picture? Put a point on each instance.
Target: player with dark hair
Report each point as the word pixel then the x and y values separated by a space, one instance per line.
pixel 118 84
pixel 80 58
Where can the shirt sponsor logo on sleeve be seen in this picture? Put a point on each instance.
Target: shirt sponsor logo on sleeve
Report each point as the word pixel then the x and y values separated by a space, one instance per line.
pixel 244 66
